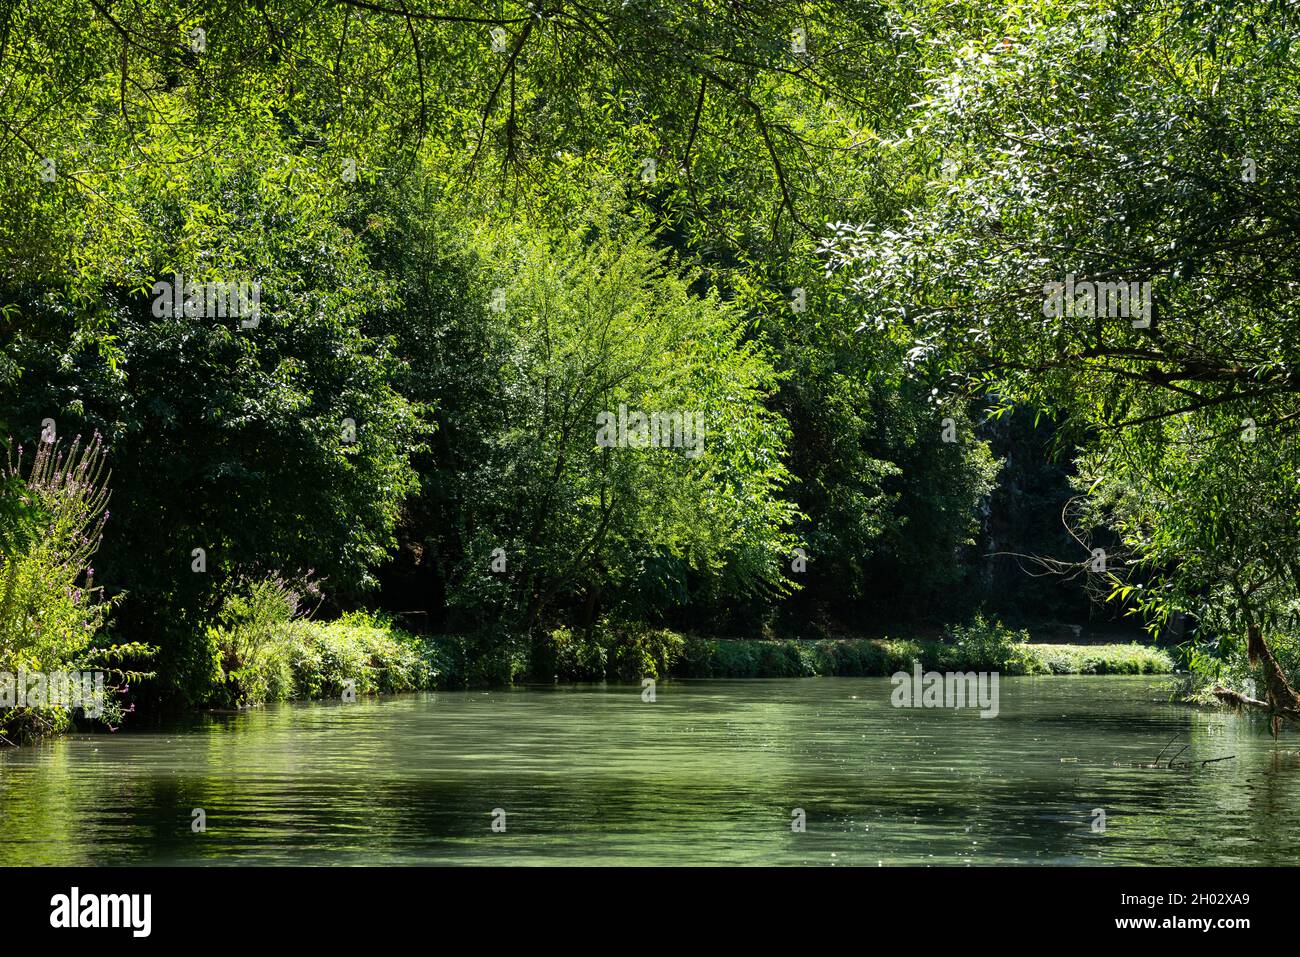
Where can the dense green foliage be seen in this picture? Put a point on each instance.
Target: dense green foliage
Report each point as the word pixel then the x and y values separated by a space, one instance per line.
pixel 815 233
pixel 1153 146
pixel 269 649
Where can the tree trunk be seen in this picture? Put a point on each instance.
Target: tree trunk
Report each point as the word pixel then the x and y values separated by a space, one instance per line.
pixel 1280 698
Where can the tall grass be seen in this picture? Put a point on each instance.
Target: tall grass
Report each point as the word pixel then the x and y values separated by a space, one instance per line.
pixel 271 649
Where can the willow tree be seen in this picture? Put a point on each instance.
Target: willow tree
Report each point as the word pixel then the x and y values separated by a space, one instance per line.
pixel 1147 149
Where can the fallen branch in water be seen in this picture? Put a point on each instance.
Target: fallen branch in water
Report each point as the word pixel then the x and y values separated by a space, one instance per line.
pixel 1175 763
pixel 1238 701
pixel 1213 760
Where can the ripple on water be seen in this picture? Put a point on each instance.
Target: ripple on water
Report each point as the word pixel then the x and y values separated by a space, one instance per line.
pixel 709 773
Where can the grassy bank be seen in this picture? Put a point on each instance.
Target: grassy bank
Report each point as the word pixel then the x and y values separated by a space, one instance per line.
pixel 882 657
pixel 263 654
pixel 980 645
pixel 387 661
pixel 306 659
pixel 630 653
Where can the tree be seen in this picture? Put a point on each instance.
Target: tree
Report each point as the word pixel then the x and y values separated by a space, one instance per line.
pixel 1085 158
pixel 268 438
pixel 561 501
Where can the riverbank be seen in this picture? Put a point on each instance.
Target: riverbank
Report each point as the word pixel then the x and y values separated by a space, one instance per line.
pixel 359 655
pixel 632 653
pixel 867 657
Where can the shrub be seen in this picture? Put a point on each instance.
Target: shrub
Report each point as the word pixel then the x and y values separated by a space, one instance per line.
pixel 615 652
pixel 270 651
pixel 636 651
pixel 561 655
pixel 255 641
pixel 986 645
pixel 366 649
pixel 50 609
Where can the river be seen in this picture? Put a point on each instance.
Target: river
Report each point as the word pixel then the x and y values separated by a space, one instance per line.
pixel 710 772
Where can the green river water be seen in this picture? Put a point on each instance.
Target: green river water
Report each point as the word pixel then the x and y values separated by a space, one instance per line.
pixel 709 773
